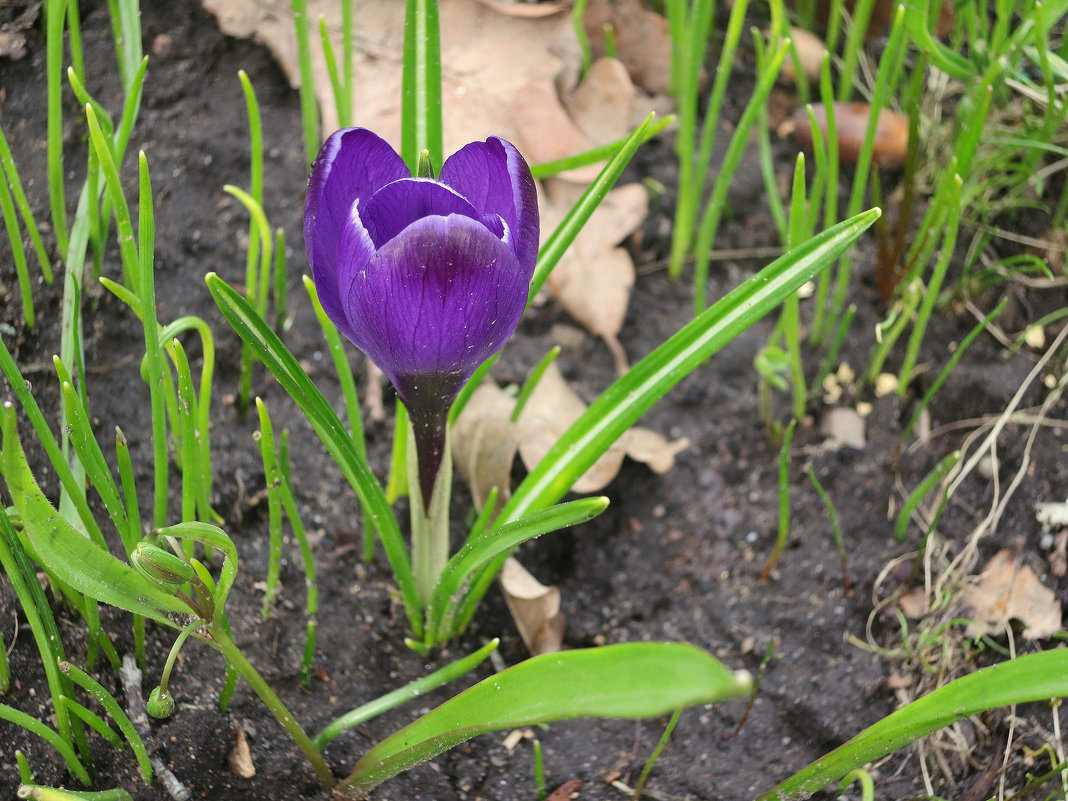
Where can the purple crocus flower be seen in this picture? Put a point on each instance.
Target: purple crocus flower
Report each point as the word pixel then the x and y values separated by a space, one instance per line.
pixel 427 277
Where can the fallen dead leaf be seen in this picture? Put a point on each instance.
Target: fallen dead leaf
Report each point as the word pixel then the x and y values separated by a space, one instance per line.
pixel 240 757
pixel 603 105
pixel 551 410
pixel 810 50
pixel 844 428
pixel 535 608
pixel 643 42
pixel 12 45
pixel 595 277
pixel 484 443
pixel 565 791
pixel 913 604
pixel 487 60
pixel 1058 559
pixel 1007 590
pixel 543 9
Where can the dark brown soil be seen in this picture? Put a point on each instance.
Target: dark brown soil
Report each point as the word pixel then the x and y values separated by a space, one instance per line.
pixel 676 557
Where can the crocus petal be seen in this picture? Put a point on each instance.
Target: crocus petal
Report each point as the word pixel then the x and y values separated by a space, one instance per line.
pixel 354 252
pixel 397 205
pixel 496 179
pixel 352 164
pixel 434 303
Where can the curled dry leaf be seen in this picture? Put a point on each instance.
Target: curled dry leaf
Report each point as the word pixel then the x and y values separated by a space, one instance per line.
pixel 603 105
pixel 240 757
pixel 810 52
pixel 528 10
pixel 595 277
pixel 851 120
pixel 487 59
pixel 551 410
pixel 844 428
pixel 643 41
pixel 534 607
pixel 547 133
pixel 1007 590
pixel 1058 559
pixel 484 440
pixel 565 791
pixel 484 443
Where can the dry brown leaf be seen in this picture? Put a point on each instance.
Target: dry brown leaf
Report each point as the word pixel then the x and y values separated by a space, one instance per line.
pixel 487 60
pixel 484 443
pixel 603 105
pixel 1007 590
pixel 543 9
pixel 550 410
pixel 810 50
pixel 546 133
pixel 1058 559
pixel 645 445
pixel 643 42
pixel 553 407
pixel 844 428
pixel 484 440
pixel 913 604
pixel 240 757
pixel 594 279
pixel 565 791
pixel 535 609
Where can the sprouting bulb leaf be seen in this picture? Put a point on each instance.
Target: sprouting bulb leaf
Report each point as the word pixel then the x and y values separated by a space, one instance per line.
pixel 632 680
pixel 54 543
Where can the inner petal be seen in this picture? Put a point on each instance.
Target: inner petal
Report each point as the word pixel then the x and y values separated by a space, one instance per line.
pixel 397 205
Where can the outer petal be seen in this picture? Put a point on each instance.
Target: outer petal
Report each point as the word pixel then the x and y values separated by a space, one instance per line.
pixel 397 205
pixel 352 164
pixel 354 252
pixel 434 303
pixel 496 179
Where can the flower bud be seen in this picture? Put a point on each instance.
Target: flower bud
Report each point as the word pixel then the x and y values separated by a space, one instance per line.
pixel 161 566
pixel 160 703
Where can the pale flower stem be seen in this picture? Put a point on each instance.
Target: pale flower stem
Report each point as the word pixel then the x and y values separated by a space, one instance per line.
pixel 430 527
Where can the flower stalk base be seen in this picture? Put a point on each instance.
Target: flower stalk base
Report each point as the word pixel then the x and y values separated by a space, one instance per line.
pixel 430 522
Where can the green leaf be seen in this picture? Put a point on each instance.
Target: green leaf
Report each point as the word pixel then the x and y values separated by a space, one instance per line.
pixel 57 545
pixel 564 234
pixel 285 368
pixel 475 554
pixel 620 406
pixel 421 127
pixel 633 680
pixel 1029 678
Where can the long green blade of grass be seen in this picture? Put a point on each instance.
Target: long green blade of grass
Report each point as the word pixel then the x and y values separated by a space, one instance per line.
pixel 620 406
pixel 1035 677
pixel 421 127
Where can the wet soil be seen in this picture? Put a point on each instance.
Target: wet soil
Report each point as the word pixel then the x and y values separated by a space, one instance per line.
pixel 676 557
